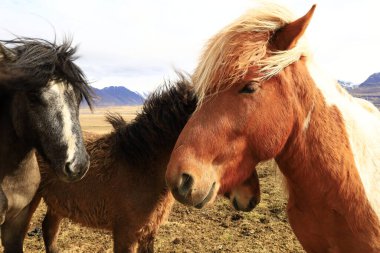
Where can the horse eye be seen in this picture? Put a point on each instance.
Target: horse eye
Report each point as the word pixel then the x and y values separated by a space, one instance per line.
pixel 250 87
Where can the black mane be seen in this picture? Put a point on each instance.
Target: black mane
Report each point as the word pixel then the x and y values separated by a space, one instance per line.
pixel 28 63
pixel 156 128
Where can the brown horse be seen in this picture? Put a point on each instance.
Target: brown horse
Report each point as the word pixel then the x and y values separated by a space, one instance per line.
pixel 40 92
pixel 260 97
pixel 124 190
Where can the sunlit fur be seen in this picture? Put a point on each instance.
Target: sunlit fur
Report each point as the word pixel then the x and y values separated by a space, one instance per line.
pixel 325 141
pixel 362 124
pixel 240 45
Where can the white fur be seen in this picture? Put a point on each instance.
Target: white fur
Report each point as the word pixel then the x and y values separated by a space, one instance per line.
pixel 56 91
pixel 362 122
pixel 307 119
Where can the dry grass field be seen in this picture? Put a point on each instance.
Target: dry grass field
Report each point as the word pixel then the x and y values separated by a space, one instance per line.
pixel 95 121
pixel 214 229
pixel 371 94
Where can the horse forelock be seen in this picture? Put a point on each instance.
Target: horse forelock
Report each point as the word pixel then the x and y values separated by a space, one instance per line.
pixel 70 72
pixel 41 61
pixel 241 45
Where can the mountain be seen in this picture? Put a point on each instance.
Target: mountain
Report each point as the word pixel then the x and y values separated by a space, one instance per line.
pixel 116 96
pixel 347 85
pixel 119 95
pixel 369 89
pixel 372 81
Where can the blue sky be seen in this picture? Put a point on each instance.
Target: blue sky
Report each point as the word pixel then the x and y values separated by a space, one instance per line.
pixel 137 44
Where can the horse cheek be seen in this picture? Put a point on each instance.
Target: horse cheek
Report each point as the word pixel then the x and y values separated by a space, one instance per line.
pixel 269 135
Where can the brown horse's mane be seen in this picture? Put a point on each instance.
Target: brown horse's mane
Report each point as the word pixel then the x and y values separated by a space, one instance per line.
pixel 28 63
pixel 157 127
pixel 244 44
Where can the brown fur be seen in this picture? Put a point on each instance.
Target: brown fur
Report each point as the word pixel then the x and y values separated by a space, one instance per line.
pixel 113 196
pixel 124 190
pixel 232 131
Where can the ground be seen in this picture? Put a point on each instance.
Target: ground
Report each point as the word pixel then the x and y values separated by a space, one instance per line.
pixel 218 228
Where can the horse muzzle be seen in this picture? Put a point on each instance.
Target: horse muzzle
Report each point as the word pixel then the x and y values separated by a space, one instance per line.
pixel 74 170
pixel 192 188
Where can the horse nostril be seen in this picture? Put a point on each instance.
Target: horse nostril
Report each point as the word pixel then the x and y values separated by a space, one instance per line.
pixel 186 183
pixel 69 170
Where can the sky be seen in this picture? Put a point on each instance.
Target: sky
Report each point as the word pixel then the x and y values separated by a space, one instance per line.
pixel 140 44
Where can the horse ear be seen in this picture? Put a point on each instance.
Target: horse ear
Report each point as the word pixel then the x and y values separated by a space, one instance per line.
pixel 6 54
pixel 287 37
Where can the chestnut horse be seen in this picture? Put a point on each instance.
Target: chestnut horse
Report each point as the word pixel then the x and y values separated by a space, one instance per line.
pixel 124 190
pixel 261 97
pixel 40 92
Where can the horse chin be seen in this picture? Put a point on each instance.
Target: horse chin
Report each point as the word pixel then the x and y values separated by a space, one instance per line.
pixel 210 197
pixel 245 207
pixel 68 170
pixel 198 200
pixel 68 179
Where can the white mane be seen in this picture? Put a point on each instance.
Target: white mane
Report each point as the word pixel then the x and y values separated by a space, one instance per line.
pixel 242 44
pixel 362 122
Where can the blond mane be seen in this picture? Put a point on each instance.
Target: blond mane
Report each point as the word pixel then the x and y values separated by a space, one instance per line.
pixel 243 44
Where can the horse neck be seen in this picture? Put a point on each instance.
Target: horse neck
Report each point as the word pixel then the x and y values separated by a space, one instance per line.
pixel 145 145
pixel 125 156
pixel 13 149
pixel 149 140
pixel 318 160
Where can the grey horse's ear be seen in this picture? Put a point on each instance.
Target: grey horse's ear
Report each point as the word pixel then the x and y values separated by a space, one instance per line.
pixel 10 78
pixel 6 54
pixel 287 37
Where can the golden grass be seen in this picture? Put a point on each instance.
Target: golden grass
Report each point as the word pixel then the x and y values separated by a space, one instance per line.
pixel 95 121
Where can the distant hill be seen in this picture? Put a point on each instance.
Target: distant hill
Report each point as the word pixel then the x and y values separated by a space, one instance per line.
pixel 369 89
pixel 117 96
pixel 372 81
